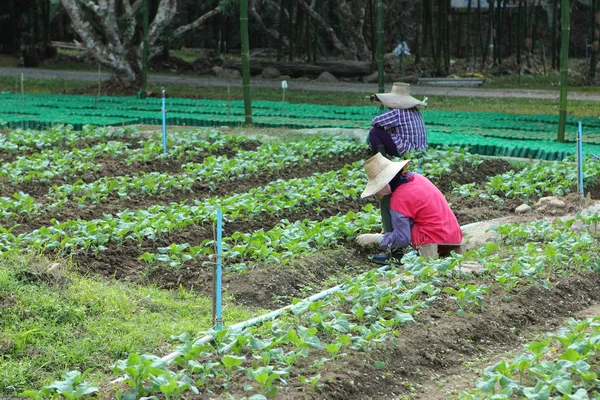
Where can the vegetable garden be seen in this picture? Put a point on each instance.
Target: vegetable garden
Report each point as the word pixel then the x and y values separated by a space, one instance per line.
pixel 112 209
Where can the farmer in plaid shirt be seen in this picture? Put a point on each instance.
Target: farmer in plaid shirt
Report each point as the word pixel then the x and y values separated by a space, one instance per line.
pixel 395 133
pixel 401 129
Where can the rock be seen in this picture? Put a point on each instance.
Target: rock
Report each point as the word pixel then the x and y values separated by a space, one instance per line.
pixel 551 205
pixel 373 78
pixel 544 201
pixel 270 73
pixel 285 77
pixel 522 209
pixel 556 203
pixel 226 73
pixel 326 77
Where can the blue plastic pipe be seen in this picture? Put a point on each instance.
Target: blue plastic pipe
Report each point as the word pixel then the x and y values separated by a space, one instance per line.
pixel 164 120
pixel 219 273
pixel 580 159
pixel 276 313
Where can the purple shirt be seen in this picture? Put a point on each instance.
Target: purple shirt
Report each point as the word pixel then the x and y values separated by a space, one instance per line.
pixel 399 238
pixel 406 128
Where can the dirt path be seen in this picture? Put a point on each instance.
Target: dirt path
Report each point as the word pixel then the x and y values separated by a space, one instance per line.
pixel 305 85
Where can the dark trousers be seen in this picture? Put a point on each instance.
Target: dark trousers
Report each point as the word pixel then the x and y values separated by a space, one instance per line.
pixel 386 216
pixel 379 137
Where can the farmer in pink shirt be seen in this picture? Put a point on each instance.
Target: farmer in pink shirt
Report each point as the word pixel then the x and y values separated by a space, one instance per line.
pixel 420 214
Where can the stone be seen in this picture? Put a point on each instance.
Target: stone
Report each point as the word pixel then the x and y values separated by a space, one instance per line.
pixel 270 73
pixel 522 209
pixel 226 73
pixel 556 203
pixel 544 201
pixel 374 77
pixel 326 77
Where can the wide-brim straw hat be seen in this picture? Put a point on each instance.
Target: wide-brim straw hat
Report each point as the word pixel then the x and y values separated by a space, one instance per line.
pixel 380 172
pixel 399 98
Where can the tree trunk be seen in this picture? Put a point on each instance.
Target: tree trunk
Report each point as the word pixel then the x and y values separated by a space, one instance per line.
pixel 419 39
pixel 469 42
pixel 500 37
pixel 448 35
pixel 116 49
pixel 290 10
pixel 480 33
pixel 519 33
pixel 434 39
pixel 489 46
pixel 554 38
pixel 564 68
pixel 245 60
pixel 596 38
pixel 113 57
pixel 281 30
pixel 380 82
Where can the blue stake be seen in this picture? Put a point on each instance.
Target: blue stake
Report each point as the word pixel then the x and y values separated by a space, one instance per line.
pixel 164 120
pixel 219 274
pixel 580 159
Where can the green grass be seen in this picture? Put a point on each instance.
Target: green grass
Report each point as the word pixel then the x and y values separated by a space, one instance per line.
pixel 503 105
pixel 8 61
pixel 56 321
pixel 550 81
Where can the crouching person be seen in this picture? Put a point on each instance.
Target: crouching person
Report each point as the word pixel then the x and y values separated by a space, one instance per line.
pixel 420 215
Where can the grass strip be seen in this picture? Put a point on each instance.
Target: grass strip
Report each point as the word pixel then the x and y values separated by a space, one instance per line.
pixel 53 319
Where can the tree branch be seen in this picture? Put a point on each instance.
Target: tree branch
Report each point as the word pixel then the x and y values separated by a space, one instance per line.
pixel 200 21
pixel 331 35
pixel 272 32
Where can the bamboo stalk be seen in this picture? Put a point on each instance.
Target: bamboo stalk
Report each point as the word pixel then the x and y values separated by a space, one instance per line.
pixel 564 69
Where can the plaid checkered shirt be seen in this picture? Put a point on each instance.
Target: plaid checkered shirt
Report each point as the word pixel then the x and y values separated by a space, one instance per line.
pixel 406 127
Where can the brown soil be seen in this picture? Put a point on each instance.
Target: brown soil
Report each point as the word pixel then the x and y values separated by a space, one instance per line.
pixel 10 156
pixel 121 261
pixel 436 348
pixel 262 285
pixel 466 173
pixel 113 204
pixel 110 167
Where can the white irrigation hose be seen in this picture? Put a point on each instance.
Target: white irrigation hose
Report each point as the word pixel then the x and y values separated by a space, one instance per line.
pixel 276 313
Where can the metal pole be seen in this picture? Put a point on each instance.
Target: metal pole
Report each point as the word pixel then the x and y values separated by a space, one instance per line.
pixel 145 52
pixel 219 273
pixel 580 160
pixel 379 11
pixel 164 120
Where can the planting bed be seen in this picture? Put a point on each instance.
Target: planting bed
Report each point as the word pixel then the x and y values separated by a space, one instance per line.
pixel 485 133
pixel 291 213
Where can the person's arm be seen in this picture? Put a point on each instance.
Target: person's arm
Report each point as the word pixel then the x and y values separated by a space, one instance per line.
pixel 386 120
pixel 400 237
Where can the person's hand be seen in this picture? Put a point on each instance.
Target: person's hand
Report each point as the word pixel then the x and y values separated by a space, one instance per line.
pixel 369 238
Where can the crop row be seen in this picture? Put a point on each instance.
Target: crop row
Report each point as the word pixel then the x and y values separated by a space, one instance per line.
pixel 367 313
pixel 562 366
pixel 52 163
pixel 268 157
pixel 534 180
pixel 150 223
pixel 279 245
pixel 61 135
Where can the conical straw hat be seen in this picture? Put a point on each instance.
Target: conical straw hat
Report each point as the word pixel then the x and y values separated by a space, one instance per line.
pixel 399 98
pixel 380 172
